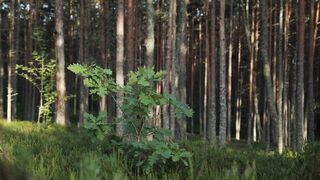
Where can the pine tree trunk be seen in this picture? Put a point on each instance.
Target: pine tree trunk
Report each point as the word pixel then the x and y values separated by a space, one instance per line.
pixel 130 33
pixel 180 64
pixel 1 70
pixel 300 76
pixel 83 49
pixel 167 118
pixel 239 81
pixel 222 77
pixel 281 79
pixel 312 45
pixel 212 110
pixel 266 65
pixel 61 117
pixel 120 61
pixel 150 34
pixel 230 72
pixel 12 58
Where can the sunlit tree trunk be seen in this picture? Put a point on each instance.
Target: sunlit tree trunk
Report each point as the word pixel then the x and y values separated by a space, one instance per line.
pixel 120 60
pixel 230 72
pixel 239 81
pixel 150 34
pixel 11 61
pixel 281 79
pixel 61 117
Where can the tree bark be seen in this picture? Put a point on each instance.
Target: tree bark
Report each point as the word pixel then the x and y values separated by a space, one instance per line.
pixel 150 34
pixel 61 117
pixel 130 33
pixel 212 110
pixel 83 49
pixel 180 64
pixel 222 77
pixel 11 62
pixel 120 61
pixel 266 65
pixel 300 76
pixel 312 44
pixel 230 72
pixel 1 70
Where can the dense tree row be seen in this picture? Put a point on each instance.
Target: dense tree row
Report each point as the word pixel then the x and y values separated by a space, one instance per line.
pixel 248 69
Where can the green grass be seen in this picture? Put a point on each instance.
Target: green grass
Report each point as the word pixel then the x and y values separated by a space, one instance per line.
pixel 38 152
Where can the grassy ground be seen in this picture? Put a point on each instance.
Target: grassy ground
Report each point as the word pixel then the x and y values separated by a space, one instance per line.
pixel 29 151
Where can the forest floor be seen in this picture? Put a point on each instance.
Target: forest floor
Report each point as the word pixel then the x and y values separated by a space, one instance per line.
pixel 31 151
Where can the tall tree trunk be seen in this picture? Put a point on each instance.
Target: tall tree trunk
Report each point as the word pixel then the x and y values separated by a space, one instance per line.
pixel 150 34
pixel 251 77
pixel 281 79
pixel 312 45
pixel 61 117
pixel 212 110
pixel 11 62
pixel 222 77
pixel 120 60
pixel 180 64
pixel 130 33
pixel 83 49
pixel 239 81
pixel 103 48
pixel 1 69
pixel 167 118
pixel 300 76
pixel 286 111
pixel 230 72
pixel 266 65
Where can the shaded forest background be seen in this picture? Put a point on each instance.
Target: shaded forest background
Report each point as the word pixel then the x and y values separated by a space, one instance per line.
pixel 249 69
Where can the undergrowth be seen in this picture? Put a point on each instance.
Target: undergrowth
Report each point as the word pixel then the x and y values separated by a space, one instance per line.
pixel 30 151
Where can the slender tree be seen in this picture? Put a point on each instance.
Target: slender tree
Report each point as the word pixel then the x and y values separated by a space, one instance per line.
pixel 312 45
pixel 222 77
pixel 130 33
pixel 212 118
pixel 150 34
pixel 120 59
pixel 61 117
pixel 83 50
pixel 180 64
pixel 1 68
pixel 272 111
pixel 11 62
pixel 300 76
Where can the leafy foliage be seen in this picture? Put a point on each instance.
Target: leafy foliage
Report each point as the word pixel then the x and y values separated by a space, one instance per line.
pixel 98 79
pixel 140 99
pixel 154 155
pixel 40 72
pixel 97 126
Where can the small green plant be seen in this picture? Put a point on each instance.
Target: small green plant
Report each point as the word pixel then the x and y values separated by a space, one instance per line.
pixel 97 125
pixel 40 73
pixel 140 98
